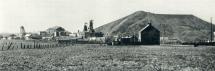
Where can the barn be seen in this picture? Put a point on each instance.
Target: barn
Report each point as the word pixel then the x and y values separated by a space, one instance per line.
pixel 149 35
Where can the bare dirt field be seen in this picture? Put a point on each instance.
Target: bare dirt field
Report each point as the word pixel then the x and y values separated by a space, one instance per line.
pixel 88 57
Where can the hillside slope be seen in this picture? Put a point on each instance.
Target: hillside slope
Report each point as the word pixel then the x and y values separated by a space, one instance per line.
pixel 183 27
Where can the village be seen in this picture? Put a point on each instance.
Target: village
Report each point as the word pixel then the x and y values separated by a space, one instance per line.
pixel 147 35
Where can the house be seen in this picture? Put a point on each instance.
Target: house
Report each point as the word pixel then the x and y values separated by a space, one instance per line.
pixel 5 38
pixel 149 35
pixel 28 37
pixel 66 39
pixel 31 36
pixel 97 40
pixel 12 36
pixel 122 40
pixel 43 33
pixel 129 40
pixel 56 31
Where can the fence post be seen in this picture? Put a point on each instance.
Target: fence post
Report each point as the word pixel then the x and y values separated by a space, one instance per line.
pixel 38 45
pixel 27 46
pixel 10 44
pixel 2 47
pixel 23 46
pixel 34 44
pixel 42 46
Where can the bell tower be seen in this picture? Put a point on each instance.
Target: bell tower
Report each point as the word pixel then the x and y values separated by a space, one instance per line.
pixel 91 27
pixel 85 27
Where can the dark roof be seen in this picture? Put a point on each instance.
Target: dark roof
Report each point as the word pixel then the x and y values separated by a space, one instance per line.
pixel 147 26
pixel 56 28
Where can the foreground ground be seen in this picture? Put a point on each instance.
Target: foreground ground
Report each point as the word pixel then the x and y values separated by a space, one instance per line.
pixel 110 58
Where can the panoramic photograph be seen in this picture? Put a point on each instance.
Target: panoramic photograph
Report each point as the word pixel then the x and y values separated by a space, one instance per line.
pixel 107 35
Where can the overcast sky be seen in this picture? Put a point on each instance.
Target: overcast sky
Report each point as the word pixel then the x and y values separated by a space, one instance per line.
pixel 38 15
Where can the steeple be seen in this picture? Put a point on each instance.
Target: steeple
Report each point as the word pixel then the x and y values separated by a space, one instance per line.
pixel 91 25
pixel 85 27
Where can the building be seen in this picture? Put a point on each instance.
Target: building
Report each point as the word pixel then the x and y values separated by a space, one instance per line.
pixel 149 35
pixel 128 40
pixel 12 36
pixel 55 31
pixel 32 36
pixel 66 39
pixel 89 31
pixel 43 33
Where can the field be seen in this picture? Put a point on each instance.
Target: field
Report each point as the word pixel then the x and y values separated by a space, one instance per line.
pixel 88 57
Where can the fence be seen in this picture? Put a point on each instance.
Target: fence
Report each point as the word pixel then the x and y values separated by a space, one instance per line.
pixel 24 44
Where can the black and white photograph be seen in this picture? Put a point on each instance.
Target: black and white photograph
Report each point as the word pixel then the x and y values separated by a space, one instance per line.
pixel 107 35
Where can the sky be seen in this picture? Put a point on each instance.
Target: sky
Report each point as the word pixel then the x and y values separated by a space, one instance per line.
pixel 38 15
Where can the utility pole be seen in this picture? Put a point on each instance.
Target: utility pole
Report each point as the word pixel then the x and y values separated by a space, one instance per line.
pixel 211 30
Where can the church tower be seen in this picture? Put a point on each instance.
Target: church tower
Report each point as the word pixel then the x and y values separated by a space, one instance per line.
pixel 91 30
pixel 85 27
pixel 91 24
